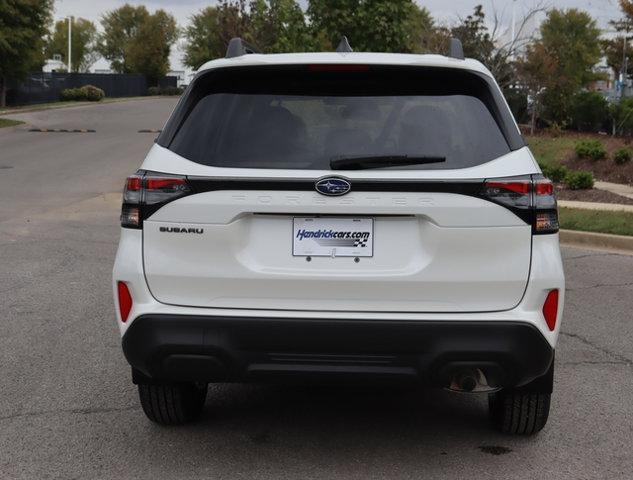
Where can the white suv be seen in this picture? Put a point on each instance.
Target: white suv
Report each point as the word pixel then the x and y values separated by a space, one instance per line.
pixel 341 217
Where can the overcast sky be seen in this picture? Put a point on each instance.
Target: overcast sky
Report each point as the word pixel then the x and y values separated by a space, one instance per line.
pixel 442 10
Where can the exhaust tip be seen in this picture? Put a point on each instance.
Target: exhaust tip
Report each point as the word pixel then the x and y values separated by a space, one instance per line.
pixel 470 380
pixel 466 382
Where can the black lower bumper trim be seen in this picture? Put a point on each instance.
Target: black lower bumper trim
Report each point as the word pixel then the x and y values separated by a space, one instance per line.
pixel 221 349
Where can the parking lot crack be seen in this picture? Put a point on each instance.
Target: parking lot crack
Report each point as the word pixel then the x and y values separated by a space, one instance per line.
pixel 597 362
pixel 600 285
pixel 80 411
pixel 586 341
pixel 589 255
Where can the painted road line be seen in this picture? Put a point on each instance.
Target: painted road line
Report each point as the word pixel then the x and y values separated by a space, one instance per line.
pixel 62 130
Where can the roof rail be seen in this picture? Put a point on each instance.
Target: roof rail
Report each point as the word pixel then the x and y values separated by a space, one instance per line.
pixel 344 46
pixel 238 47
pixel 456 49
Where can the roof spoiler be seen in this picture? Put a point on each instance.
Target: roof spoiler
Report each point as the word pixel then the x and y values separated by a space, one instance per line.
pixel 456 49
pixel 238 47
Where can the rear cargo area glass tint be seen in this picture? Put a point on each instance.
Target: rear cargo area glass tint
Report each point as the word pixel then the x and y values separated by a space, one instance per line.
pixel 305 119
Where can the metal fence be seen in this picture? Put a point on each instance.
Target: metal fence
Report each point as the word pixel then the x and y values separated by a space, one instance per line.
pixel 46 87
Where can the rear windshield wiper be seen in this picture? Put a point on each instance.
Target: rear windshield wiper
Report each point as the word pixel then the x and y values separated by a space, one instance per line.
pixel 380 161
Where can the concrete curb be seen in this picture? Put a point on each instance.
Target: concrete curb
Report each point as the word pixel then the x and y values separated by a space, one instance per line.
pixel 605 207
pixel 597 241
pixel 52 106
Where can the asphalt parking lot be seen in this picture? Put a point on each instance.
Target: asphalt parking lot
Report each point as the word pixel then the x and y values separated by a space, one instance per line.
pixel 68 408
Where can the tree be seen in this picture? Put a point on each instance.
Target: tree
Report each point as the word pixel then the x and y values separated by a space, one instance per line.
pixel 23 25
pixel 418 29
pixel 148 52
pixel 627 9
pixel 279 26
pixel 488 41
pixel 136 41
pixel 202 42
pixel 613 49
pixel 120 28
pixel 210 30
pixel 370 25
pixel 590 111
pixel 84 43
pixel 535 71
pixel 619 48
pixel 561 62
pixel 475 37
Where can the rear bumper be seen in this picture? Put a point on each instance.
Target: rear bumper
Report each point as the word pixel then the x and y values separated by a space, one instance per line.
pixel 223 349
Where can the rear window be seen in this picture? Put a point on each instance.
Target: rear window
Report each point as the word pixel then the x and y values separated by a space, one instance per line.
pixel 304 119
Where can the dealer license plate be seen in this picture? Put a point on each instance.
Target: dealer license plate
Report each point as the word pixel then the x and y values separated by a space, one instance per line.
pixel 333 237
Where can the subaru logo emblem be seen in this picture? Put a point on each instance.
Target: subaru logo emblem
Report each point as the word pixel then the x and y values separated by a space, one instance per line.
pixel 332 186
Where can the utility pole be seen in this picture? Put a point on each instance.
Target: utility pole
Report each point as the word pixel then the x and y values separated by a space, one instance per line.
pixel 70 42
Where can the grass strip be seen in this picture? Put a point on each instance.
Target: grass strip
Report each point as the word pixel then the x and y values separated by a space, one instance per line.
pixel 7 122
pixel 549 150
pixel 598 221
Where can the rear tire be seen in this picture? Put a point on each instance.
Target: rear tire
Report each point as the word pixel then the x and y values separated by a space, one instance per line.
pixel 519 412
pixel 172 404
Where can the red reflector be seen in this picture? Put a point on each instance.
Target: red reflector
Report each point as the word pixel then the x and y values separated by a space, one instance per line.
pixel 516 187
pixel 133 183
pixel 550 309
pixel 544 187
pixel 160 183
pixel 125 300
pixel 338 68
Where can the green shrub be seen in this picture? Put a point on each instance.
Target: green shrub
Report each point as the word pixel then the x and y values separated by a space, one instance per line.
pixel 592 149
pixel 88 93
pixel 556 129
pixel 69 94
pixel 92 93
pixel 580 180
pixel 589 112
pixel 171 91
pixel 164 91
pixel 622 156
pixel 556 173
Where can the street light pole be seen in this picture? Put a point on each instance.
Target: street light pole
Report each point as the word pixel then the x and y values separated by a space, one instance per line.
pixel 70 36
pixel 513 40
pixel 514 7
pixel 625 66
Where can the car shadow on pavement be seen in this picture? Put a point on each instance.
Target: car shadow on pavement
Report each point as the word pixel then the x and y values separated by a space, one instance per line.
pixel 314 432
pixel 350 412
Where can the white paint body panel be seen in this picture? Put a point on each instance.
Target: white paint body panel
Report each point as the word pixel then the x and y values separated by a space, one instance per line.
pixel 244 259
pixel 546 273
pixel 433 252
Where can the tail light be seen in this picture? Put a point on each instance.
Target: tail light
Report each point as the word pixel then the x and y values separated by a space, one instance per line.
pixel 550 309
pixel 531 198
pixel 145 193
pixel 545 211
